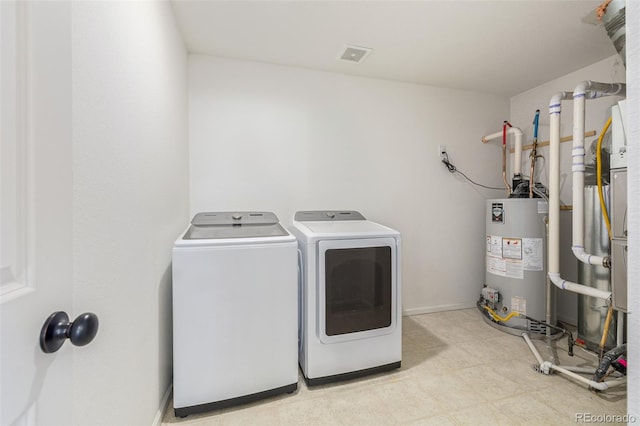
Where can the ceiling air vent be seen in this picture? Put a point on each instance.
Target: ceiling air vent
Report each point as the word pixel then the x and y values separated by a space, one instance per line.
pixel 355 54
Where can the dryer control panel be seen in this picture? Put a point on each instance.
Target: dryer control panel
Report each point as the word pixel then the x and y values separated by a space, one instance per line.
pixel 327 215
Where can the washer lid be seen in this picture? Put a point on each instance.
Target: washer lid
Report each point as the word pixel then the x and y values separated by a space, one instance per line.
pixel 219 225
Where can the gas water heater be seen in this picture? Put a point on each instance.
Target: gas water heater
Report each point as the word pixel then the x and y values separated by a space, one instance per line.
pixel 515 278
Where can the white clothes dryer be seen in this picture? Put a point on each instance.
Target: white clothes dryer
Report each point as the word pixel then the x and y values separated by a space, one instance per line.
pixel 234 311
pixel 350 321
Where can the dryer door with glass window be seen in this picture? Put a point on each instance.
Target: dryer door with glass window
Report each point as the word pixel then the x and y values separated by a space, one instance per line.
pixel 357 288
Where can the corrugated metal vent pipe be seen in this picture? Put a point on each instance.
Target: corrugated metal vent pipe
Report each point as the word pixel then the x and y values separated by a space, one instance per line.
pixel 612 13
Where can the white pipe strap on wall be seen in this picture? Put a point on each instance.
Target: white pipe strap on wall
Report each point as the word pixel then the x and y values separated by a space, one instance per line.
pixel 583 91
pixel 517 156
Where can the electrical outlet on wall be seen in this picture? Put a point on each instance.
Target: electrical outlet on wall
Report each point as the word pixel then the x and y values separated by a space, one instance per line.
pixel 442 151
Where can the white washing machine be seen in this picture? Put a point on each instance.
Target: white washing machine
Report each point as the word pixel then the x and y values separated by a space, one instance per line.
pixel 235 310
pixel 350 296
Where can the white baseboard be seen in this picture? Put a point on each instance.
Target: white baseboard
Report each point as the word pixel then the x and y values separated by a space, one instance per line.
pixel 432 309
pixel 157 421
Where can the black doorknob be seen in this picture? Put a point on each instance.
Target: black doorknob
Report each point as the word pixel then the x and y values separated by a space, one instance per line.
pixel 57 329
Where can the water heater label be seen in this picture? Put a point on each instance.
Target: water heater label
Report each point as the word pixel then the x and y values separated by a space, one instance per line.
pixel 496 266
pixel 505 256
pixel 543 207
pixel 519 304
pixel 494 246
pixel 512 248
pixel 532 254
pixel 505 268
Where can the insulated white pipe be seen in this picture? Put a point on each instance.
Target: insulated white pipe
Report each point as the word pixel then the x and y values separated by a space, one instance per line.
pixel 620 329
pixel 517 155
pixel 546 367
pixel 596 385
pixel 583 91
pixel 578 288
pixel 555 108
pixel 533 349
pixel 576 369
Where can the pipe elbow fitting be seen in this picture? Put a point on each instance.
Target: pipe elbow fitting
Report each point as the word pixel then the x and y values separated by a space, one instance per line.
pixel 554 277
pixel 578 252
pixel 622 89
pixel 516 131
pixel 545 367
pixel 589 259
pixel 555 103
pixel 582 88
pixel 594 90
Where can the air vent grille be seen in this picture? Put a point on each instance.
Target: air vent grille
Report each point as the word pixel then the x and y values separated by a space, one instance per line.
pixel 355 54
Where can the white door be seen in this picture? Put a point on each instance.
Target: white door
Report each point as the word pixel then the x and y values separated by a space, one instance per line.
pixel 36 213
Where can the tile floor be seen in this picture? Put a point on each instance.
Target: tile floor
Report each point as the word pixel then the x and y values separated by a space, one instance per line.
pixel 456 370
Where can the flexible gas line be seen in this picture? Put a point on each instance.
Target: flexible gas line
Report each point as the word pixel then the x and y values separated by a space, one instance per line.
pixel 605 331
pixel 497 317
pixel 603 205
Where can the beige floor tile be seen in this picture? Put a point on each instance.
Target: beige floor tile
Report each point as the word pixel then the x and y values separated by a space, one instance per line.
pixel 522 372
pixel 408 396
pixel 447 358
pixel 481 415
pixel 456 370
pixel 203 421
pixel 306 413
pixel 451 392
pixel 525 409
pixel 481 330
pixel 570 398
pixel 361 407
pixel 441 420
pixel 485 380
pixel 252 416
pixel 422 337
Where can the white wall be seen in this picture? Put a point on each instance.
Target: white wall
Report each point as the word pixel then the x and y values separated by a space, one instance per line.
pixel 523 107
pixel 265 137
pixel 633 135
pixel 130 168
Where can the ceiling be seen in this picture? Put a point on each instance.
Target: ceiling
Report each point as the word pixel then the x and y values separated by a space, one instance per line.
pixel 500 47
